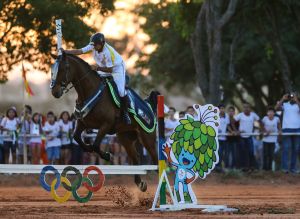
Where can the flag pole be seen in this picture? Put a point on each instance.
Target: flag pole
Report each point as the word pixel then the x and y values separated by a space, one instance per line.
pixel 23 122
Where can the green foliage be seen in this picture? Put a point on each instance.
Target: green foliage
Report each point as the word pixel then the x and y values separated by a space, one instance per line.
pixel 28 29
pixel 188 136
pixel 257 76
pixel 172 60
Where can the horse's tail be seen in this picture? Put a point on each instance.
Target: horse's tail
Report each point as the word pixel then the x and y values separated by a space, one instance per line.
pixel 152 100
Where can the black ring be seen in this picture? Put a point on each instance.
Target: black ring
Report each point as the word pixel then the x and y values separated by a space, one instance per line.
pixel 78 181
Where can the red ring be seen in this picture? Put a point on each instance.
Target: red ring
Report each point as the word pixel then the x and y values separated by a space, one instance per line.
pixel 101 179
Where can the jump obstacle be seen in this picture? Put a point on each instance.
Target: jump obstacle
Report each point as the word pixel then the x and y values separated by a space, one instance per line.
pixel 163 184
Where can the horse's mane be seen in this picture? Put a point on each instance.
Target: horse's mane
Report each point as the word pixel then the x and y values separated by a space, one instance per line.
pixel 80 60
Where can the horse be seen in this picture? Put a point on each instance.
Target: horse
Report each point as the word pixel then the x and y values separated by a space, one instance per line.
pixel 105 115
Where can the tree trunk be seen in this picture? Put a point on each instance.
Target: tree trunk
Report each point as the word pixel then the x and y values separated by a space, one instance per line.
pixel 196 42
pixel 277 46
pixel 215 69
pixel 212 21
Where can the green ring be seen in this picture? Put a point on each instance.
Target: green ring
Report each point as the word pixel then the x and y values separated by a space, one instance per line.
pixel 75 194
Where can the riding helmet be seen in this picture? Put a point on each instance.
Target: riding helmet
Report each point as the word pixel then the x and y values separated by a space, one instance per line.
pixel 97 38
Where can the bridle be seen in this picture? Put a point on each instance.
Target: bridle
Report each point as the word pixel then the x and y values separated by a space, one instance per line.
pixel 64 83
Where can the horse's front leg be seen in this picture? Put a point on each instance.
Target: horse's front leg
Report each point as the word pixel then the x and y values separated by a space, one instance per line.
pixel 96 146
pixel 77 136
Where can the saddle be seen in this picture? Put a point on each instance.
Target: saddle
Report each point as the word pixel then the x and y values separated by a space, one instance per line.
pixel 140 109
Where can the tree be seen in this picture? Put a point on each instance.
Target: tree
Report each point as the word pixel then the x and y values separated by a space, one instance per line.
pixel 27 29
pixel 172 61
pixel 211 19
pixel 252 66
pixel 259 68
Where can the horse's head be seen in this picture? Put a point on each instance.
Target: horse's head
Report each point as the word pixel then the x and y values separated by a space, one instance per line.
pixel 60 75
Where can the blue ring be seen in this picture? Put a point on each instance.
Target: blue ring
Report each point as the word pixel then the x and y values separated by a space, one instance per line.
pixel 43 181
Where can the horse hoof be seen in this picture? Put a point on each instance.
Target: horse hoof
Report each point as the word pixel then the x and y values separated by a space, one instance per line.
pixel 143 186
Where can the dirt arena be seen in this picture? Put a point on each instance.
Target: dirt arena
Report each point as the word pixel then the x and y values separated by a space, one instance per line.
pixel 254 195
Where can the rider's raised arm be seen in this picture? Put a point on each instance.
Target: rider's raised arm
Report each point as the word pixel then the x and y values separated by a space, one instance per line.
pixel 74 51
pixel 83 50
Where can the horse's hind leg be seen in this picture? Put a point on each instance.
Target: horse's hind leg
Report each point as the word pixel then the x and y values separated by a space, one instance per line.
pixel 129 144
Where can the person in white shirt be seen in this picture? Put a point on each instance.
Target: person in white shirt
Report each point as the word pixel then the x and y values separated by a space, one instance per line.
pixel 191 111
pixel 25 121
pixel 290 105
pixel 270 124
pixel 66 128
pixel 246 121
pixel 170 123
pixel 233 139
pixel 9 126
pixel 36 139
pixel 181 115
pixel 53 143
pixel 108 61
pixel 222 131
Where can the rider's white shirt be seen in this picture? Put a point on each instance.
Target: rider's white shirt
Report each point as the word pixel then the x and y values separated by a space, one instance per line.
pixel 108 58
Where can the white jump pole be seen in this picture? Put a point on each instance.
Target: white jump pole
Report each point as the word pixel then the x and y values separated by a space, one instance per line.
pixel 58 35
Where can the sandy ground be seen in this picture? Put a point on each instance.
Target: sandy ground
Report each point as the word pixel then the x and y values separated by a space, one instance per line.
pixel 254 195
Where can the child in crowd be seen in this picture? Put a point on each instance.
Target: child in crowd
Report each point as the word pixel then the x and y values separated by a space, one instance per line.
pixel 53 143
pixel 66 129
pixel 233 139
pixel 223 144
pixel 181 115
pixel 24 140
pixel 270 124
pixel 191 111
pixel 246 119
pixel 9 126
pixel 36 139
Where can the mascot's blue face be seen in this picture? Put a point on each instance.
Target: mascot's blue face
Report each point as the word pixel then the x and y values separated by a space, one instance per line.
pixel 187 159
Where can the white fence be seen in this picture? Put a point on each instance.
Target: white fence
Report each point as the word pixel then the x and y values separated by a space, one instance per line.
pixel 106 169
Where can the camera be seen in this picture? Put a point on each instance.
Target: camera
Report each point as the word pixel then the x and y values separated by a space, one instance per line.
pixel 291 95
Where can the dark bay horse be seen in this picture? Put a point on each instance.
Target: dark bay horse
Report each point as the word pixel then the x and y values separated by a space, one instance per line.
pixel 70 69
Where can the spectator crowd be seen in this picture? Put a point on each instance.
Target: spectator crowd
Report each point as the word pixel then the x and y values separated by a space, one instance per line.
pixel 249 142
pixel 246 140
pixel 48 140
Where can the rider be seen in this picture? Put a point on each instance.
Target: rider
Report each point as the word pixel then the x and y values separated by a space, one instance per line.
pixel 108 61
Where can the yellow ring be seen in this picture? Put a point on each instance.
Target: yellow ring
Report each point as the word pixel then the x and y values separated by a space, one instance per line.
pixel 53 191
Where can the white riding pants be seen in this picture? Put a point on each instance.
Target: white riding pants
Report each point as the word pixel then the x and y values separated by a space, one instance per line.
pixel 119 78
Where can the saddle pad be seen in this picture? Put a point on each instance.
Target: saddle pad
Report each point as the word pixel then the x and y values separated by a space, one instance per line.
pixel 140 109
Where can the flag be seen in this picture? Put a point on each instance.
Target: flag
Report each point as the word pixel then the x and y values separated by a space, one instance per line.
pixel 26 85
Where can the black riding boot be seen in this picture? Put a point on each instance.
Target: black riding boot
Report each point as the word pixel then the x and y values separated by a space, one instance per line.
pixel 124 110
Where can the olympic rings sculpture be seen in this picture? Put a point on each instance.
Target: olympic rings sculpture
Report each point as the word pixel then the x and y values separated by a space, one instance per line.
pixel 81 180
